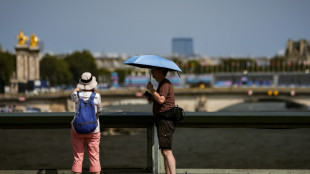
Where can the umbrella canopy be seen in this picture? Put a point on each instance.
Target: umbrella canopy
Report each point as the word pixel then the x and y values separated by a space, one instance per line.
pixel 149 61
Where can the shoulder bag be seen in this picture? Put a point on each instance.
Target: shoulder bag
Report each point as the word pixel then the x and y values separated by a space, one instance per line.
pixel 176 113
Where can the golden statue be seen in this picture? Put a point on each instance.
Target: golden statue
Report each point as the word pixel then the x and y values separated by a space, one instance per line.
pixel 33 40
pixel 21 38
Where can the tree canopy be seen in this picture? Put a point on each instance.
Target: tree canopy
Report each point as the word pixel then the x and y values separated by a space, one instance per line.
pixel 55 70
pixel 80 62
pixel 7 66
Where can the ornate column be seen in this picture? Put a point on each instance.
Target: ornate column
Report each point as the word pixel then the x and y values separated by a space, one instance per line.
pixel 21 58
pixel 22 63
pixel 34 69
pixel 34 58
pixel 27 62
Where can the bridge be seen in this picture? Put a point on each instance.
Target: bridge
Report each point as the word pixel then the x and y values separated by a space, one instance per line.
pixel 191 99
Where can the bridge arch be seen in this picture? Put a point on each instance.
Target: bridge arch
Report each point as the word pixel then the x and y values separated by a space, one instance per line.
pixel 266 103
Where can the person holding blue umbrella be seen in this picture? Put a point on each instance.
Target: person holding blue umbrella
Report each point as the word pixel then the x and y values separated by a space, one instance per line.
pixel 163 100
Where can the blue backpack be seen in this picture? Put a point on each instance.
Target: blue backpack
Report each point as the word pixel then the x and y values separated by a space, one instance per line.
pixel 86 121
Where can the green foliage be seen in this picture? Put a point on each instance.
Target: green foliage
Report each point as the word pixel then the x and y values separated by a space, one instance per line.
pixel 104 75
pixel 80 62
pixel 7 66
pixel 243 64
pixel 55 70
pixel 237 65
pixel 122 73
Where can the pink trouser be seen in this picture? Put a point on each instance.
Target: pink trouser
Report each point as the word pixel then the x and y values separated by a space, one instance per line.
pixel 92 141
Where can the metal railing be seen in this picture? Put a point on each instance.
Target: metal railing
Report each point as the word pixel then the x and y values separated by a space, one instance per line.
pixel 269 120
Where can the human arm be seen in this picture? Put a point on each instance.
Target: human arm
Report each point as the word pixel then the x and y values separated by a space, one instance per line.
pixel 98 105
pixel 74 96
pixel 156 96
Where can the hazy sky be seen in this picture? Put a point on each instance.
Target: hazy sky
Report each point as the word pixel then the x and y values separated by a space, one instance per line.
pixel 218 27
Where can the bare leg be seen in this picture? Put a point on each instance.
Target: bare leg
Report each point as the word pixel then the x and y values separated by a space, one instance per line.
pixel 170 163
pixel 166 166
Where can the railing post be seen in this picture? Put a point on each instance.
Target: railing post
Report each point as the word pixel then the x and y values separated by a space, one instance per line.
pixel 150 149
pixel 155 161
pixel 159 159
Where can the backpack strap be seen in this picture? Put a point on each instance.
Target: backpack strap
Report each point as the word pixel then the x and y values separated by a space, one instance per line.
pixel 78 94
pixel 91 98
pixel 93 94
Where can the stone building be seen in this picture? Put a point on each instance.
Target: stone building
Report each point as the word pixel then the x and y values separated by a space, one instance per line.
pixel 27 63
pixel 298 51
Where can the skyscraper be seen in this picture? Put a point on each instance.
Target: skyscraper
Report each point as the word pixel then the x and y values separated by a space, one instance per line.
pixel 182 47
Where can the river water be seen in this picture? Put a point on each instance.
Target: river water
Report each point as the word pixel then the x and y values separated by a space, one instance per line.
pixel 263 106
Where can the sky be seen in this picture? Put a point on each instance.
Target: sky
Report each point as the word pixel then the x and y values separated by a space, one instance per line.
pixel 256 28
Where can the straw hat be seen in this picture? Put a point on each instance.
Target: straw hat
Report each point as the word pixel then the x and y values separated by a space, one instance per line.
pixel 87 81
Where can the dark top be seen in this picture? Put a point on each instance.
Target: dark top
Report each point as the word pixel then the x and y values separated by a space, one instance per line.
pixel 164 89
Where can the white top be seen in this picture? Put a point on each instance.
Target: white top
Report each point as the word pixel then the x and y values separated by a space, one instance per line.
pixel 85 95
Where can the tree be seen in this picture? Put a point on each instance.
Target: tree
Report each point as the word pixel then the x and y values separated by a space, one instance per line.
pixel 121 74
pixel 104 75
pixel 277 62
pixel 7 67
pixel 55 70
pixel 80 62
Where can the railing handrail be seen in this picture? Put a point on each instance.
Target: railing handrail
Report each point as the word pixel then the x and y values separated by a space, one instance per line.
pixel 145 119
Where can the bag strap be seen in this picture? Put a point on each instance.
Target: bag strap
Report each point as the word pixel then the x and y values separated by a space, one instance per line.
pixel 91 98
pixel 78 94
pixel 93 94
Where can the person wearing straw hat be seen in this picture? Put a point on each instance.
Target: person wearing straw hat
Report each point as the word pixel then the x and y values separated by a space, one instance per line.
pixel 84 90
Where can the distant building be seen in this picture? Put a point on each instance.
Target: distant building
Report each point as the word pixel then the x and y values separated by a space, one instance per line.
pixel 298 51
pixel 110 63
pixel 182 47
pixel 117 63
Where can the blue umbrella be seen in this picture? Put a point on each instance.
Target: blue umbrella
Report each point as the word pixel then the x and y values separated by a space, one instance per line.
pixel 149 61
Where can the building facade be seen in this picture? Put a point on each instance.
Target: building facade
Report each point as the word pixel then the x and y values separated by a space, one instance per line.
pixel 182 47
pixel 298 51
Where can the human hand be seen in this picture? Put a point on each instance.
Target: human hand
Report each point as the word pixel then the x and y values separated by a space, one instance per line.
pixel 150 87
pixel 76 89
pixel 148 95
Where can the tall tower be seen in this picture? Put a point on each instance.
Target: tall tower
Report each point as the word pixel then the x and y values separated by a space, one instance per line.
pixel 182 47
pixel 27 62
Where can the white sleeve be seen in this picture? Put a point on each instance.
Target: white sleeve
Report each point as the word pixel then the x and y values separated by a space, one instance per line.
pixel 99 107
pixel 74 97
